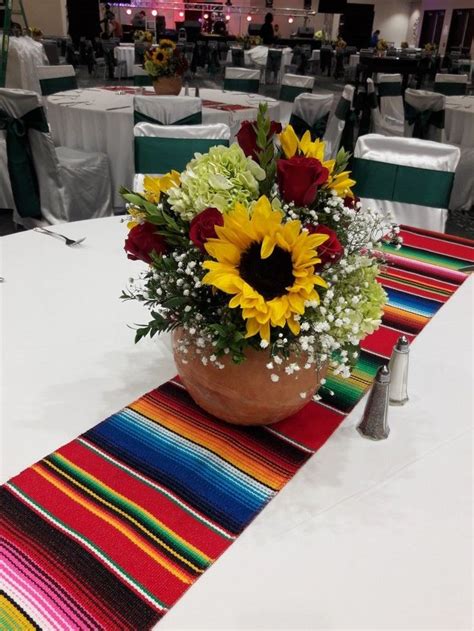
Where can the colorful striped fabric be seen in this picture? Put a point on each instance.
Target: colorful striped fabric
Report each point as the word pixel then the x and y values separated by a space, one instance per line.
pixel 111 529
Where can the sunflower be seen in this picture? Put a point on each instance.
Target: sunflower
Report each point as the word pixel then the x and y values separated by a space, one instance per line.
pixel 267 266
pixel 152 189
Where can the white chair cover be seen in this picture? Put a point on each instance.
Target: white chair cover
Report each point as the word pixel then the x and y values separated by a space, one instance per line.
pixel 176 154
pixel 425 101
pixel 299 81
pixel 241 79
pixel 451 84
pixel 311 111
pixel 72 184
pixel 55 72
pixel 430 177
pixel 337 122
pixel 380 124
pixel 167 110
pixel 56 79
pixel 390 95
pixel 241 73
pixel 24 55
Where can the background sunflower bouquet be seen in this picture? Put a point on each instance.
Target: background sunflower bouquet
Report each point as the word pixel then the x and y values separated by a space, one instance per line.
pixel 261 245
pixel 164 60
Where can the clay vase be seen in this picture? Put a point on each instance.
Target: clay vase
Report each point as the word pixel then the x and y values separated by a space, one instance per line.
pixel 245 394
pixel 168 86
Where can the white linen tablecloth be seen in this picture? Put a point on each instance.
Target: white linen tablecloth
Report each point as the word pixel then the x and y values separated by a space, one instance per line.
pixel 354 59
pixel 24 55
pixel 459 120
pixel 257 57
pixel 127 54
pixel 365 536
pixel 102 120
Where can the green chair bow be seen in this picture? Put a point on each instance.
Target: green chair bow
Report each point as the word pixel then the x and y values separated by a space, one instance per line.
pixel 421 120
pixel 317 129
pixel 21 168
pixel 192 119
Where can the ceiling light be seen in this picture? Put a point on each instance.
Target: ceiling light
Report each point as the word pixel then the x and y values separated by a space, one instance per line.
pixel 249 18
pixel 290 20
pixel 128 11
pixel 154 13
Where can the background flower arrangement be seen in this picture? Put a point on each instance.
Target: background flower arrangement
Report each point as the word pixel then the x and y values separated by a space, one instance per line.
pixel 276 256
pixel 164 60
pixel 143 36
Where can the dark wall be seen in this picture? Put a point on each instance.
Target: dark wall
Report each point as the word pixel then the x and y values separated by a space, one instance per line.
pixel 356 24
pixel 83 17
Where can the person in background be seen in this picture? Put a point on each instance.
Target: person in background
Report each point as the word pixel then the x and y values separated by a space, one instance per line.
pixel 139 21
pixel 266 32
pixel 109 16
pixel 374 39
pixel 116 28
pixel 276 32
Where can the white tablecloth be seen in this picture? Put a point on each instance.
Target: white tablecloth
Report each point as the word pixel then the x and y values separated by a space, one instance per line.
pixel 87 122
pixel 459 120
pixel 127 54
pixel 24 56
pixel 257 57
pixel 316 55
pixel 354 59
pixel 371 536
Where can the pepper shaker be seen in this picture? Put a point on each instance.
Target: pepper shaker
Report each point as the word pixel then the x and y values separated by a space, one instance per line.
pixel 374 423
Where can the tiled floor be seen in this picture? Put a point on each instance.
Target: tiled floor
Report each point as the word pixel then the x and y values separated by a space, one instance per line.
pixel 459 223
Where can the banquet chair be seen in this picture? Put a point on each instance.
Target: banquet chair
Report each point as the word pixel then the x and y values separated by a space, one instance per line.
pixel 408 180
pixel 162 148
pixel 140 77
pixel 340 129
pixel 167 110
pixel 451 84
pixel 237 57
pixel 56 79
pixel 424 115
pixel 390 96
pixel 48 184
pixel 273 65
pixel 292 85
pixel 311 112
pixel 380 123
pixel 241 79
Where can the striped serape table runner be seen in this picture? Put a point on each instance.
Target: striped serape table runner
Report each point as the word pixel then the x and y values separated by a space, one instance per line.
pixel 111 529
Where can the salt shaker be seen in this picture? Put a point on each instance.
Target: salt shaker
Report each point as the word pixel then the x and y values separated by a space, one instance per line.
pixel 399 372
pixel 197 91
pixel 186 89
pixel 374 423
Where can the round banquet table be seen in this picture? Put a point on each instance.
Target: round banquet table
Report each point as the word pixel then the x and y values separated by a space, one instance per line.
pixel 101 120
pixel 365 536
pixel 459 120
pixel 127 54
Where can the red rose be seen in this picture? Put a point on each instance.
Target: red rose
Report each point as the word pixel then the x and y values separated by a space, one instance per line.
pixel 331 250
pixel 142 240
pixel 203 226
pixel 247 137
pixel 299 179
pixel 351 202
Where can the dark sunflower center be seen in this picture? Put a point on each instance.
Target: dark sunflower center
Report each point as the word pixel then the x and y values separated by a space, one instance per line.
pixel 270 276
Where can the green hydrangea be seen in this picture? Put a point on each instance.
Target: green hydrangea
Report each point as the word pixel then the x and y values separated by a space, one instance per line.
pixel 216 179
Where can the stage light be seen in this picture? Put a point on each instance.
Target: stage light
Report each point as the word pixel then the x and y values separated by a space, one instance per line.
pixel 206 16
pixel 227 17
pixel 290 20
pixel 128 11
pixel 249 18
pixel 181 14
pixel 154 13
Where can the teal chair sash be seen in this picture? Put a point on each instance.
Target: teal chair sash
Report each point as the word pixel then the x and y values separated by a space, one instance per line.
pixel 242 85
pixel 290 92
pixel 142 80
pixel 396 183
pixel 317 129
pixel 390 89
pixel 161 155
pixel 422 120
pixel 192 119
pixel 450 89
pixel 21 168
pixel 57 84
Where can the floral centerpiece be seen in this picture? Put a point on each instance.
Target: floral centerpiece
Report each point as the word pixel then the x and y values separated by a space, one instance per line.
pixel 404 45
pixel 382 45
pixel 143 36
pixel 341 44
pixel 165 64
pixel 263 264
pixel 35 33
pixel 249 41
pixel 429 48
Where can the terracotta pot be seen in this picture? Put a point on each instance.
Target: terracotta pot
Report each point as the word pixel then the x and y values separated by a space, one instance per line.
pixel 168 85
pixel 244 394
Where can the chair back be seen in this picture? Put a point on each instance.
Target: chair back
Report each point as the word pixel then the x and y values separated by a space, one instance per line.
pixel 390 96
pixel 162 148
pixel 292 85
pixel 33 166
pixel 140 77
pixel 56 79
pixel 274 58
pixel 380 124
pixel 424 115
pixel 140 48
pixel 451 84
pixel 238 57
pixel 241 79
pixel 167 110
pixel 407 179
pixel 311 112
pixel 340 122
